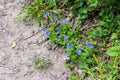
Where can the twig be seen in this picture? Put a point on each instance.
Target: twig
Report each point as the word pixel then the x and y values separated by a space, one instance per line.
pixel 29 36
pixel 42 41
pixel 55 46
pixel 32 35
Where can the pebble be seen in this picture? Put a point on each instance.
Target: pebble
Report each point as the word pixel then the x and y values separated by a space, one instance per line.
pixel 49 48
pixel 67 58
pixel 4 30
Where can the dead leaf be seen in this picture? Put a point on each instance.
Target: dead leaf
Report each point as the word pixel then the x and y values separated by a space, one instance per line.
pixel 13 45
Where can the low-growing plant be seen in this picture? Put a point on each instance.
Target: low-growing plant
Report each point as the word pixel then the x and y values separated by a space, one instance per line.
pixel 93 49
pixel 42 63
pixel 72 77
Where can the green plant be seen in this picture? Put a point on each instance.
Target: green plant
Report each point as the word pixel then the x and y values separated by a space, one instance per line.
pixel 72 77
pixel 113 51
pixel 42 63
pixel 93 49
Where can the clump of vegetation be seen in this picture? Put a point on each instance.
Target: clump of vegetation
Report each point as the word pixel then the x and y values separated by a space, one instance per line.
pixel 72 77
pixel 93 48
pixel 42 63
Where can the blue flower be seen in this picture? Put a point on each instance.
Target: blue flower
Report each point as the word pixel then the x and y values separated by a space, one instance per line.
pixel 62 20
pixel 78 51
pixel 46 33
pixel 65 37
pixel 58 31
pixel 68 46
pixel 43 30
pixel 65 20
pixel 45 13
pixel 58 38
pixel 59 21
pixel 53 19
pixel 89 45
pixel 50 13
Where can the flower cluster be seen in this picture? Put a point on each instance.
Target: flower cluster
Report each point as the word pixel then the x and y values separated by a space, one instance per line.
pixel 45 31
pixel 62 20
pixel 53 19
pixel 47 13
pixel 58 31
pixel 68 46
pixel 65 37
pixel 78 51
pixel 59 38
pixel 58 20
pixel 89 45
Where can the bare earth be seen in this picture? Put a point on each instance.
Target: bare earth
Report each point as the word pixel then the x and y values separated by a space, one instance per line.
pixel 17 63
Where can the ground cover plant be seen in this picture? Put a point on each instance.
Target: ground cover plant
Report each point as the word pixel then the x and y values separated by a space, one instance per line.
pixel 88 30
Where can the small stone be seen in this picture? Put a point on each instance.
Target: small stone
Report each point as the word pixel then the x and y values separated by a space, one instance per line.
pixel 67 58
pixel 49 48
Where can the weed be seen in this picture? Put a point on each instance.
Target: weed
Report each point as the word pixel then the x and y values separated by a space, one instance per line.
pixel 42 63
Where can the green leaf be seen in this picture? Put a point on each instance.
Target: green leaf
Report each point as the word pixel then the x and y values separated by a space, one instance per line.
pixel 81 66
pixel 102 23
pixel 113 51
pixel 83 10
pixel 114 36
pixel 94 3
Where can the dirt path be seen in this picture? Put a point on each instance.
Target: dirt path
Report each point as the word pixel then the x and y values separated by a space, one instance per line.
pixel 17 63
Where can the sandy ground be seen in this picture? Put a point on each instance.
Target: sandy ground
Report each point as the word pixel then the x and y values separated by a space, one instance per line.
pixel 17 63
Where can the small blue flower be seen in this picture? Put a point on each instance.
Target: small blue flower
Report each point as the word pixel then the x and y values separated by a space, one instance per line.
pixel 50 13
pixel 62 20
pixel 65 20
pixel 89 45
pixel 65 37
pixel 43 30
pixel 46 33
pixel 53 19
pixel 45 13
pixel 59 21
pixel 68 46
pixel 58 31
pixel 78 51
pixel 58 38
